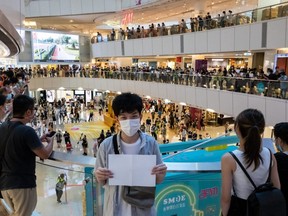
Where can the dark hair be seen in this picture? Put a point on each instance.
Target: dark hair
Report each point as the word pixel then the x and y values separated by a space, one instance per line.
pixel 127 102
pixel 281 131
pixel 21 104
pixel 251 124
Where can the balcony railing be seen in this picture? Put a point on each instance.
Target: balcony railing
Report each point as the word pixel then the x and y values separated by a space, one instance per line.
pixel 263 87
pixel 222 21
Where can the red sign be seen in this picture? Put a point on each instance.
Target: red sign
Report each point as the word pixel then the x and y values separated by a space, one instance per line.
pixel 127 18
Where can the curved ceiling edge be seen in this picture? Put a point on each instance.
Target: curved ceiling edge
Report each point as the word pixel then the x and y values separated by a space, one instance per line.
pixel 10 37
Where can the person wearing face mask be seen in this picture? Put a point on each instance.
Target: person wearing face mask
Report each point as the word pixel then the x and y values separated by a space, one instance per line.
pixel 281 142
pixel 19 146
pixel 127 108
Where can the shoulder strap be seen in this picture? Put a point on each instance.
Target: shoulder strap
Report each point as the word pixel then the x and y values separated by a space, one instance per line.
pixel 270 166
pixel 243 169
pixel 115 145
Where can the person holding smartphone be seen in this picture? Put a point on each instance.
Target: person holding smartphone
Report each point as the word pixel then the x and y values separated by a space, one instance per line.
pixel 19 146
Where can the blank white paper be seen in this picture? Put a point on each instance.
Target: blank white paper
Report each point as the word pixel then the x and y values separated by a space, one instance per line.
pixel 132 170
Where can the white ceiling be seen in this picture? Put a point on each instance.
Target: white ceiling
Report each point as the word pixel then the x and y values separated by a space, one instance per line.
pixel 163 11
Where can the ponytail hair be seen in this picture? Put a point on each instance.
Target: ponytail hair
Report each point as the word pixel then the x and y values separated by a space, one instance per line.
pixel 251 124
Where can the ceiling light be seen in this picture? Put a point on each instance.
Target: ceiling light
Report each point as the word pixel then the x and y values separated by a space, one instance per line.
pixel 61 88
pixel 39 89
pixel 71 21
pixel 119 93
pixel 80 88
pixel 182 103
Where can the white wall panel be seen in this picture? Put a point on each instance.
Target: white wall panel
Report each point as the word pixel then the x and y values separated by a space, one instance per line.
pixel 154 90
pixel 257 102
pixel 87 6
pixel 157 46
pixel 240 102
pixel 171 91
pixel 176 44
pixel 138 47
pixel 147 46
pixel 96 50
pixel 110 49
pixel 255 36
pixel 167 45
pixel 110 5
pixel 131 86
pixel 163 90
pixel 65 7
pixel 213 99
pixel 276 33
pixel 189 43
pixel 104 50
pixel 201 97
pixel 55 9
pixel 275 106
pixel 190 95
pixel 128 44
pixel 98 5
pixel 34 8
pixel 213 40
pixel 44 7
pixel 242 35
pixel 75 83
pixel 181 93
pixel 226 102
pixel 76 6
pixel 227 39
pixel 201 42
pixel 117 48
pixel 90 84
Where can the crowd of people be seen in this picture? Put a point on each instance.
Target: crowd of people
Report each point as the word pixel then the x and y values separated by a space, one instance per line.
pixel 193 24
pixel 131 130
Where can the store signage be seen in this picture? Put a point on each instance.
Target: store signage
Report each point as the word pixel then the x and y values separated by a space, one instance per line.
pixel 127 18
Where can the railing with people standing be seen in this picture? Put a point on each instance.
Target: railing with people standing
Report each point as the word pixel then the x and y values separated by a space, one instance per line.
pixel 197 24
pixel 235 83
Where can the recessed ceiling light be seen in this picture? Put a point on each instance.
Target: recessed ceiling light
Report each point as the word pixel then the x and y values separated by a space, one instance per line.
pixel 71 21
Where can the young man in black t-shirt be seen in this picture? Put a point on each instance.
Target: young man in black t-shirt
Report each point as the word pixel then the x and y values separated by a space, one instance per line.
pixel 19 146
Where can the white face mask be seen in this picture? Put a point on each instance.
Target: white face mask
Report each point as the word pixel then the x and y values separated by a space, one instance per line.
pixel 130 126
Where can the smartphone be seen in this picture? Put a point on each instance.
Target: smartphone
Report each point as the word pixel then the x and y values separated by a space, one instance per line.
pixel 51 134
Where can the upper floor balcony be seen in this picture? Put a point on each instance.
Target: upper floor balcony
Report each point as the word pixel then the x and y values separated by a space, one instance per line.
pixel 227 95
pixel 259 29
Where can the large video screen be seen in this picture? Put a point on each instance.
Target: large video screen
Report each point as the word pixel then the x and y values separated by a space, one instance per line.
pixel 54 47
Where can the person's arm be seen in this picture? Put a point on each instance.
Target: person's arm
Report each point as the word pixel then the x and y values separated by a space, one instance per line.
pixel 227 166
pixel 101 173
pixel 45 151
pixel 160 172
pixel 274 173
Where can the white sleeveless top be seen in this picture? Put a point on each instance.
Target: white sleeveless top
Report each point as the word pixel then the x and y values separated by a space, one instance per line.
pixel 243 187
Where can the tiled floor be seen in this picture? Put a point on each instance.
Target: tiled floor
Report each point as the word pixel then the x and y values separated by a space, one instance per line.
pixel 48 171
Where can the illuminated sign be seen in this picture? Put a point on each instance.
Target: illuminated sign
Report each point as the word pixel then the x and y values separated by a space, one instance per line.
pixel 127 18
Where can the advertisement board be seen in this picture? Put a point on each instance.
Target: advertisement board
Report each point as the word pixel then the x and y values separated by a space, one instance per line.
pixel 55 47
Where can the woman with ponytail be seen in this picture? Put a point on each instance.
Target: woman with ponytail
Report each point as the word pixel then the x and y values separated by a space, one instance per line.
pixel 249 127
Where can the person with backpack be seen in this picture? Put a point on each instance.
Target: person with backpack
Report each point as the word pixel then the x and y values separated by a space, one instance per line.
pixel 281 142
pixel 251 157
pixel 127 108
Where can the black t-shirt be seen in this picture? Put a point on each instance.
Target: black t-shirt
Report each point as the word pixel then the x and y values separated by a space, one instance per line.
pixel 18 163
pixel 282 164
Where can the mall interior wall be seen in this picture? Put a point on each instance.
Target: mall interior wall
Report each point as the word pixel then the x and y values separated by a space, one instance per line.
pixel 271 34
pixel 226 102
pixel 45 8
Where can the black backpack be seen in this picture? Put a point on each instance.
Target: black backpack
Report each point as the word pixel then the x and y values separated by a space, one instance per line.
pixel 265 200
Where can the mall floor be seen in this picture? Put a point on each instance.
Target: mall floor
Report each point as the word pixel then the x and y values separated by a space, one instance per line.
pixel 48 171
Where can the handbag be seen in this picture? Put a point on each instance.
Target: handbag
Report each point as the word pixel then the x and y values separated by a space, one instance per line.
pixel 140 197
pixel 265 199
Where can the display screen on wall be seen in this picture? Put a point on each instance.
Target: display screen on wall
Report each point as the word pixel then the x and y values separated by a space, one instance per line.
pixel 55 47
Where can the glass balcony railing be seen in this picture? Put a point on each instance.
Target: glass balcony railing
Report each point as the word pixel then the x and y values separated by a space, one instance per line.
pixel 222 21
pixel 263 87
